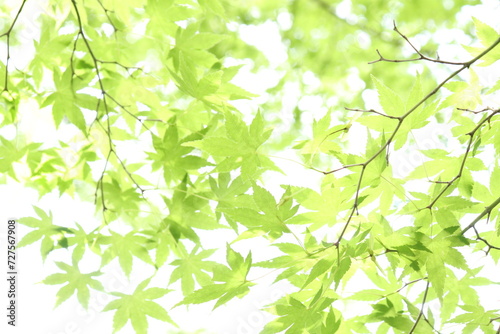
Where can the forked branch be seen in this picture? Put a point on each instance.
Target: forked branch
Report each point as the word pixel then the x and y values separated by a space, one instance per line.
pixel 421 56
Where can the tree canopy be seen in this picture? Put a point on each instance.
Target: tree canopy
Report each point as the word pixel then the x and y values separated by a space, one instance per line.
pixel 350 149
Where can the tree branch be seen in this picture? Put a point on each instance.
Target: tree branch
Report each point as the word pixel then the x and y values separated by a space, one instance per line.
pixel 421 56
pixel 490 246
pixel 421 309
pixel 396 129
pixel 374 112
pixel 7 34
pixel 486 211
pixel 104 96
pixel 462 165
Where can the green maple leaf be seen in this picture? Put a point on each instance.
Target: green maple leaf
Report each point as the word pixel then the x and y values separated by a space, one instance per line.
pixel 464 94
pixel 487 35
pixel 51 234
pixel 10 152
pixel 81 240
pixel 173 157
pixel 234 278
pixel 75 281
pixel 191 47
pixel 163 240
pixel 164 14
pixel 295 317
pixel 323 138
pixel 240 146
pixel 118 197
pixel 137 306
pixel 475 318
pixel 188 211
pixel 267 217
pixel 64 100
pixel 191 266
pixel 390 101
pixel 125 247
pixel 321 208
pixel 229 193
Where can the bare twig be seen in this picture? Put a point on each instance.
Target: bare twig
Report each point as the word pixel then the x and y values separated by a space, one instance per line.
pixel 7 34
pixel 104 96
pixel 476 111
pixel 486 211
pixel 421 56
pixel 374 112
pixel 490 246
pixel 421 309
pixel 106 12
pixel 405 285
pixel 127 68
pixel 124 108
pixel 394 132
pixel 462 165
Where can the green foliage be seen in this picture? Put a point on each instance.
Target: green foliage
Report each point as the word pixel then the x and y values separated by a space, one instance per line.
pixel 137 306
pixel 234 278
pixel 75 281
pixel 148 124
pixel 44 229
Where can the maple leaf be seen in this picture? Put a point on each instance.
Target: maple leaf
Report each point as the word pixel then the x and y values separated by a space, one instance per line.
pixel 76 281
pixel 234 278
pixel 44 228
pixel 191 266
pixel 137 306
pixel 125 247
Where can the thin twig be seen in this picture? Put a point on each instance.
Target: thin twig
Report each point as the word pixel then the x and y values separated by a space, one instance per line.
pixel 106 11
pixel 421 309
pixel 476 111
pixel 103 97
pixel 486 211
pixel 373 111
pixel 127 68
pixel 466 154
pixel 128 112
pixel 7 34
pixel 396 129
pixel 421 56
pixel 405 285
pixel 490 246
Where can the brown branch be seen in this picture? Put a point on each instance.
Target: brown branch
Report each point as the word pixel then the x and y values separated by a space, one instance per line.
pixel 7 34
pixel 421 309
pixel 430 325
pixel 476 111
pixel 106 11
pixel 462 165
pixel 380 254
pixel 396 129
pixel 486 211
pixel 405 285
pixel 338 169
pixel 127 68
pixel 354 207
pixel 129 174
pixel 128 112
pixel 490 246
pixel 107 130
pixel 373 111
pixel 104 96
pixel 421 56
